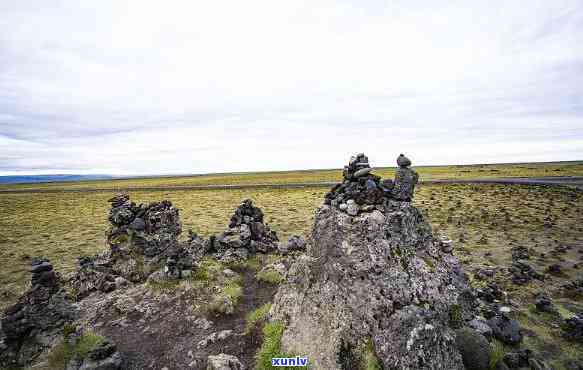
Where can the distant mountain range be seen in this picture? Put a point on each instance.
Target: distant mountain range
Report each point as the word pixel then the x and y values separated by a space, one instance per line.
pixel 50 178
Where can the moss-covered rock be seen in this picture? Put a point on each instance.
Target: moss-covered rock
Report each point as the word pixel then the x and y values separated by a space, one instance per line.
pixel 474 348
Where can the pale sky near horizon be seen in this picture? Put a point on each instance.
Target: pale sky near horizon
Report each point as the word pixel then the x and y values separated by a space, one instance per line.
pixel 137 87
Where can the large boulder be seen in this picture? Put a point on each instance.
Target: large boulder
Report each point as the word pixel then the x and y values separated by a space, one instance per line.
pixel 474 348
pixel 377 277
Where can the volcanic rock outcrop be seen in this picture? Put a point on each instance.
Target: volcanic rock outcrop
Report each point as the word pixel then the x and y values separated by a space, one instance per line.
pixel 375 278
pixel 33 323
pixel 247 234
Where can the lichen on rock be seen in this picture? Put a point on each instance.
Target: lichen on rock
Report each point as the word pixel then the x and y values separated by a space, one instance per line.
pixel 377 275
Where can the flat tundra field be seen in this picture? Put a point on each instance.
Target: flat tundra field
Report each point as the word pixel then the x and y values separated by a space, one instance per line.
pixel 484 220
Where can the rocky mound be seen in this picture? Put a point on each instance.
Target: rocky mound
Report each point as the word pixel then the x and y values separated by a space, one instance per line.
pixel 247 234
pixel 375 279
pixel 142 239
pixel 32 324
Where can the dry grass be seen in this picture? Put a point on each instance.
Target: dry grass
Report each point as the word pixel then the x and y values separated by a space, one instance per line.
pixel 479 218
pixel 574 168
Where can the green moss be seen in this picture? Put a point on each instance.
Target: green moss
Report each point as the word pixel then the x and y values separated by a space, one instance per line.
pixel 227 299
pixel 62 353
pixel 233 290
pixel 164 286
pixel 497 353
pixel 429 262
pixel 208 270
pixel 251 263
pixel 256 316
pixel 269 276
pixel 271 347
pixel 69 329
pixel 370 360
pixel 455 316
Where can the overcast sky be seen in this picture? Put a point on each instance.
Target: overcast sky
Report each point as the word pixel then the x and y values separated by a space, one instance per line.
pixel 140 87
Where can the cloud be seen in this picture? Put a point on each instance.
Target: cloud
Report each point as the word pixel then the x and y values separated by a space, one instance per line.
pixel 182 87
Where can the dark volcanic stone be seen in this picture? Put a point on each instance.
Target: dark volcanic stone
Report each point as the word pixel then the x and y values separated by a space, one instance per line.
pixel 554 269
pixel 405 181
pixel 573 328
pixel 103 350
pixel 474 348
pixel 544 304
pixel 518 358
pixel 138 224
pixel 41 267
pixel 505 329
pixel 403 161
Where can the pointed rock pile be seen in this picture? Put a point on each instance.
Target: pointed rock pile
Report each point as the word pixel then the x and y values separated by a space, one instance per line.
pixel 30 325
pixel 373 280
pixel 152 228
pixel 247 234
pixel 362 191
pixel 142 239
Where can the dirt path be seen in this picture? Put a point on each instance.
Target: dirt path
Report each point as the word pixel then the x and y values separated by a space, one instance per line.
pixel 576 181
pixel 169 337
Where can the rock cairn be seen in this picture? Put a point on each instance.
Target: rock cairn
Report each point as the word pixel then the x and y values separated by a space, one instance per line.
pixel 151 228
pixel 247 234
pixel 361 190
pixel 142 239
pixel 374 278
pixel 36 319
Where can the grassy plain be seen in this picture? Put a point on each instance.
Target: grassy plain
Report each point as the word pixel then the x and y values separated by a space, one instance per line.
pixel 574 168
pixel 484 220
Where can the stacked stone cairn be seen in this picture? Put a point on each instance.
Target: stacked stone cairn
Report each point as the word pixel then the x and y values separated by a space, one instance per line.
pixel 152 228
pixel 142 239
pixel 363 191
pixel 30 325
pixel 247 234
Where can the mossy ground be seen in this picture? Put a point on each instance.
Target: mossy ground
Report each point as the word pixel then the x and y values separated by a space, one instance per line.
pixel 271 347
pixel 62 353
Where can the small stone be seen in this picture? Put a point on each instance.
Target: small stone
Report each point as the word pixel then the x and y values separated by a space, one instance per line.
pixel 505 309
pixel 352 208
pixel 186 273
pixel 224 362
pixel 403 161
pixel 362 172
pixel 573 328
pixel 544 304
pixel 138 224
pixel 343 206
pixel 120 282
pixel 41 267
pixel 481 326
pixel 554 269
